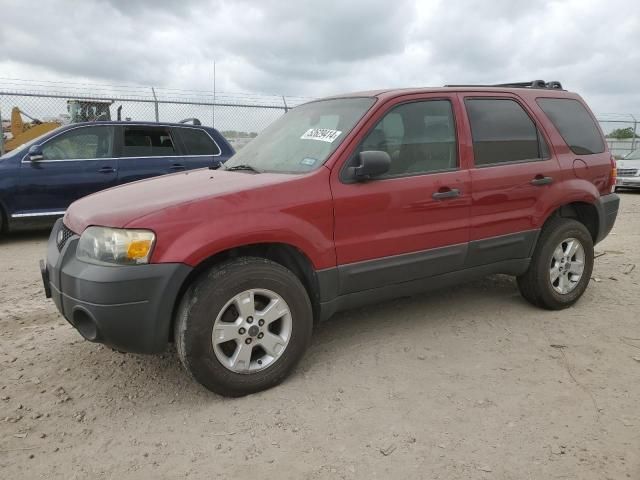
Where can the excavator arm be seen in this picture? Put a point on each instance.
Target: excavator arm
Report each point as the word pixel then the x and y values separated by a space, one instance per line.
pixel 23 132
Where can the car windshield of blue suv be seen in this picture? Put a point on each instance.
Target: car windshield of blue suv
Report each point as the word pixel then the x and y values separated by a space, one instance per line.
pixel 302 139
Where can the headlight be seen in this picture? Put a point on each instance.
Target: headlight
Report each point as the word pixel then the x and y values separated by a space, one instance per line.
pixel 115 246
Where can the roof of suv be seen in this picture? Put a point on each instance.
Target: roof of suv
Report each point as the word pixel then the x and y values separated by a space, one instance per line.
pixel 513 88
pixel 139 122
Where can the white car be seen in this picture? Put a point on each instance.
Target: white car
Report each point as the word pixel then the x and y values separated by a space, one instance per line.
pixel 629 170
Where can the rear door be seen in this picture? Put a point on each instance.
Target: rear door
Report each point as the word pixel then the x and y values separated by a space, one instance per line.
pixel 513 169
pixel 198 148
pixel 412 222
pixel 146 151
pixel 75 163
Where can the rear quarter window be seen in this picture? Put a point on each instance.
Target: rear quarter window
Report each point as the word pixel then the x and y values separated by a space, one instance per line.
pixel 198 142
pixel 575 124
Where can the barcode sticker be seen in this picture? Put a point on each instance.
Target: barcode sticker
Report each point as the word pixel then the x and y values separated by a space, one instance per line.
pixel 322 134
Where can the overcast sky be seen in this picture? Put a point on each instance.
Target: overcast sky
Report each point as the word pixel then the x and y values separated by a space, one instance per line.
pixel 316 48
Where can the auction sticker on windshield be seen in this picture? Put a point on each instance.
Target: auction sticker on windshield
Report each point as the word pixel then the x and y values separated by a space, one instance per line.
pixel 322 134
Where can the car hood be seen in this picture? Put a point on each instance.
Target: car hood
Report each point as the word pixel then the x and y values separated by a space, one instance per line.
pixel 119 206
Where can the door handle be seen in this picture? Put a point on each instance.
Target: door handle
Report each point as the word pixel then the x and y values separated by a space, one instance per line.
pixel 107 170
pixel 540 180
pixel 450 193
pixel 177 166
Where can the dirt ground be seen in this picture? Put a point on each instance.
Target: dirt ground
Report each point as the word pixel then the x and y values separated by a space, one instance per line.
pixel 466 383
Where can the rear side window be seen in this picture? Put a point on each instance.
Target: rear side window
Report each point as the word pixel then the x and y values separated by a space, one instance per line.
pixel 148 142
pixel 503 132
pixel 198 142
pixel 575 124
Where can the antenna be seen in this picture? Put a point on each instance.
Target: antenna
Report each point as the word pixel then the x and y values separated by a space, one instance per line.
pixel 213 108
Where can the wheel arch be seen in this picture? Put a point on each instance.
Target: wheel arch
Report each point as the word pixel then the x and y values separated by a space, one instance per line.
pixel 284 254
pixel 584 212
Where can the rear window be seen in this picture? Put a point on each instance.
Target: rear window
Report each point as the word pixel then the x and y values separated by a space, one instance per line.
pixel 148 142
pixel 575 124
pixel 198 142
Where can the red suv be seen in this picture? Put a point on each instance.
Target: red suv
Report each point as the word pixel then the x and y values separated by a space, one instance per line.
pixel 341 202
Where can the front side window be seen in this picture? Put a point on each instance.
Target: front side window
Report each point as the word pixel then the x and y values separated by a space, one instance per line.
pixel 148 142
pixel 80 143
pixel 577 127
pixel 198 142
pixel 503 132
pixel 302 139
pixel 420 137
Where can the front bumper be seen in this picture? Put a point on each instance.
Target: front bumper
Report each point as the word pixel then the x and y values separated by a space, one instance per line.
pixel 126 307
pixel 628 182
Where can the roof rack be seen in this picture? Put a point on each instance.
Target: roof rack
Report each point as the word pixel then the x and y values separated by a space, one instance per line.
pixel 554 85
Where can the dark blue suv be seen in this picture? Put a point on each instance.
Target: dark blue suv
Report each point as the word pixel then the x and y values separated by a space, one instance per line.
pixel 40 179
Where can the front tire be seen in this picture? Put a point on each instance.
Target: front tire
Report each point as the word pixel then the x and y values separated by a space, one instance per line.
pixel 561 265
pixel 243 326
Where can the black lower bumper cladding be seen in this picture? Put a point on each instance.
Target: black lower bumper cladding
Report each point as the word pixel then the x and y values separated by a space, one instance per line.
pixel 607 213
pixel 129 307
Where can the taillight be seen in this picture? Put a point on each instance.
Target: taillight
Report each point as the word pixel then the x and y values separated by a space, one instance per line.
pixel 614 175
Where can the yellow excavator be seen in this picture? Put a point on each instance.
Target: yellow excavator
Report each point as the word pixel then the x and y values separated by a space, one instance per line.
pixel 79 111
pixel 23 132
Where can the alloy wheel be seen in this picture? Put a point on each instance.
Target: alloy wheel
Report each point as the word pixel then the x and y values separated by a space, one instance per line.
pixel 567 266
pixel 252 331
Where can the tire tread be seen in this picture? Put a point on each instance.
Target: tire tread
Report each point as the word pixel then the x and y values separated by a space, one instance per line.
pixel 186 321
pixel 534 285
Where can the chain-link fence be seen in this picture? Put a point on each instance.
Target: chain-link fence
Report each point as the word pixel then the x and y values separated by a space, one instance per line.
pixel 239 117
pixel 621 130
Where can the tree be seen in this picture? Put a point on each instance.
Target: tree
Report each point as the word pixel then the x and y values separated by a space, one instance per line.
pixel 622 133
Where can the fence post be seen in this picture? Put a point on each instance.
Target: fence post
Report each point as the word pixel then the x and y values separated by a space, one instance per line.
pixel 286 108
pixel 1 134
pixel 633 140
pixel 155 102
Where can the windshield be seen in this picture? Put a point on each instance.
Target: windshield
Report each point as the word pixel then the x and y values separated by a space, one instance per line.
pixel 635 155
pixel 302 139
pixel 29 143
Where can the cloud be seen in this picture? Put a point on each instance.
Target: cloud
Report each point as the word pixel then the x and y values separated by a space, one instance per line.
pixel 312 48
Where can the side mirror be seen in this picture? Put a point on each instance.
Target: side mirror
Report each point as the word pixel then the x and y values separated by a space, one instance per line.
pixel 373 163
pixel 35 153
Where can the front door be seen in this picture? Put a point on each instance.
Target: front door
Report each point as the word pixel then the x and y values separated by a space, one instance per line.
pixel 412 222
pixel 75 163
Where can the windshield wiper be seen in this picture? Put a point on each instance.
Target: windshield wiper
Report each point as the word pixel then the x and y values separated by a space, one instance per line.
pixel 244 167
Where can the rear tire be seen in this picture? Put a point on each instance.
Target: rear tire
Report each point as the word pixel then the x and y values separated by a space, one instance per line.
pixel 561 265
pixel 243 326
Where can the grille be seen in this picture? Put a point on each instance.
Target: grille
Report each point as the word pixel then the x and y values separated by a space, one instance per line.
pixel 62 236
pixel 627 172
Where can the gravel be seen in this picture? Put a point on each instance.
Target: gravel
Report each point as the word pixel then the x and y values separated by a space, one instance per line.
pixel 466 383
